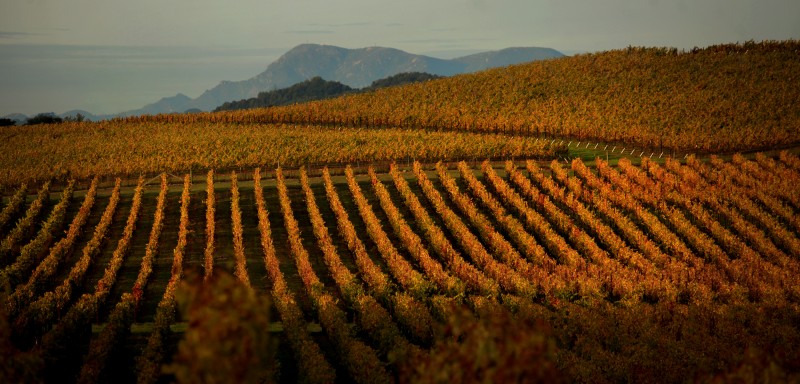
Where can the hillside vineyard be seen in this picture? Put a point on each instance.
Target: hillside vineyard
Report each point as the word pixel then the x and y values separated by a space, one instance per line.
pixel 720 98
pixel 105 149
pixel 632 272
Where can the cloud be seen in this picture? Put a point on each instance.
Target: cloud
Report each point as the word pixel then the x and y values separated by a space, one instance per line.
pixel 15 35
pixel 131 57
pixel 449 29
pixel 336 25
pixel 448 41
pixel 310 32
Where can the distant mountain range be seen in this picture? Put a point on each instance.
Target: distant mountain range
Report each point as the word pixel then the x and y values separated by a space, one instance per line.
pixel 356 68
pixel 22 118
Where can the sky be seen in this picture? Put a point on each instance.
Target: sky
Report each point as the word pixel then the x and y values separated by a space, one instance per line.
pixel 109 56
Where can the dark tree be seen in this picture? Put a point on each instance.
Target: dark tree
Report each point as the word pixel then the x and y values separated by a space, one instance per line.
pixel 4 122
pixel 313 89
pixel 44 118
pixel 316 89
pixel 76 118
pixel 402 78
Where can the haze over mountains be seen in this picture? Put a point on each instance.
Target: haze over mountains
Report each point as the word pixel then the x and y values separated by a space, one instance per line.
pixel 356 68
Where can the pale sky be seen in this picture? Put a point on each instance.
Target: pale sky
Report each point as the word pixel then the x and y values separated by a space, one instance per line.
pixel 107 56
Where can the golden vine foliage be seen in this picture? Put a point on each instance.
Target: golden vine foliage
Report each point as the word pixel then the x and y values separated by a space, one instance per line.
pixel 634 272
pixel 724 97
pixel 120 148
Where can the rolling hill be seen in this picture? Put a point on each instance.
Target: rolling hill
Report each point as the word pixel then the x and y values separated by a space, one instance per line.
pixel 721 98
pixel 317 88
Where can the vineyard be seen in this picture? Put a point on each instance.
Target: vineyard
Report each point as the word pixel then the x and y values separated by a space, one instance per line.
pixel 107 149
pixel 562 220
pixel 497 270
pixel 723 98
pixel 658 101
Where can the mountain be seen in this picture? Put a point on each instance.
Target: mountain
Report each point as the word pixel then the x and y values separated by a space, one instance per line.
pixel 75 112
pixel 356 68
pixel 177 103
pixel 504 57
pixel 17 117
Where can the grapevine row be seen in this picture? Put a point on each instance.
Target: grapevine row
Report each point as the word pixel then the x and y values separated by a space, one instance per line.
pixel 776 178
pixel 630 199
pixel 752 238
pixel 778 187
pixel 663 235
pixel 24 226
pixel 789 160
pixel 769 164
pixel 697 238
pixel 31 253
pixel 549 277
pixel 163 146
pixel 45 310
pixel 525 243
pixel 629 281
pixel 14 206
pixel 403 272
pixel 313 368
pixel 122 315
pixel 412 243
pixel 747 262
pixel 211 201
pixel 123 245
pixel 152 243
pixel 622 223
pixel 754 214
pixel 581 282
pixel 361 360
pixel 24 293
pixel 410 312
pixel 87 306
pixel 604 233
pixel 691 274
pixel 473 277
pixel 373 318
pixel 504 274
pixel 149 362
pixel 774 204
pixel 238 246
pixel 617 280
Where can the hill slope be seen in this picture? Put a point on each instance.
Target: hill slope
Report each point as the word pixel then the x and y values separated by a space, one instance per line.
pixel 318 89
pixel 722 98
pixel 504 57
pixel 313 89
